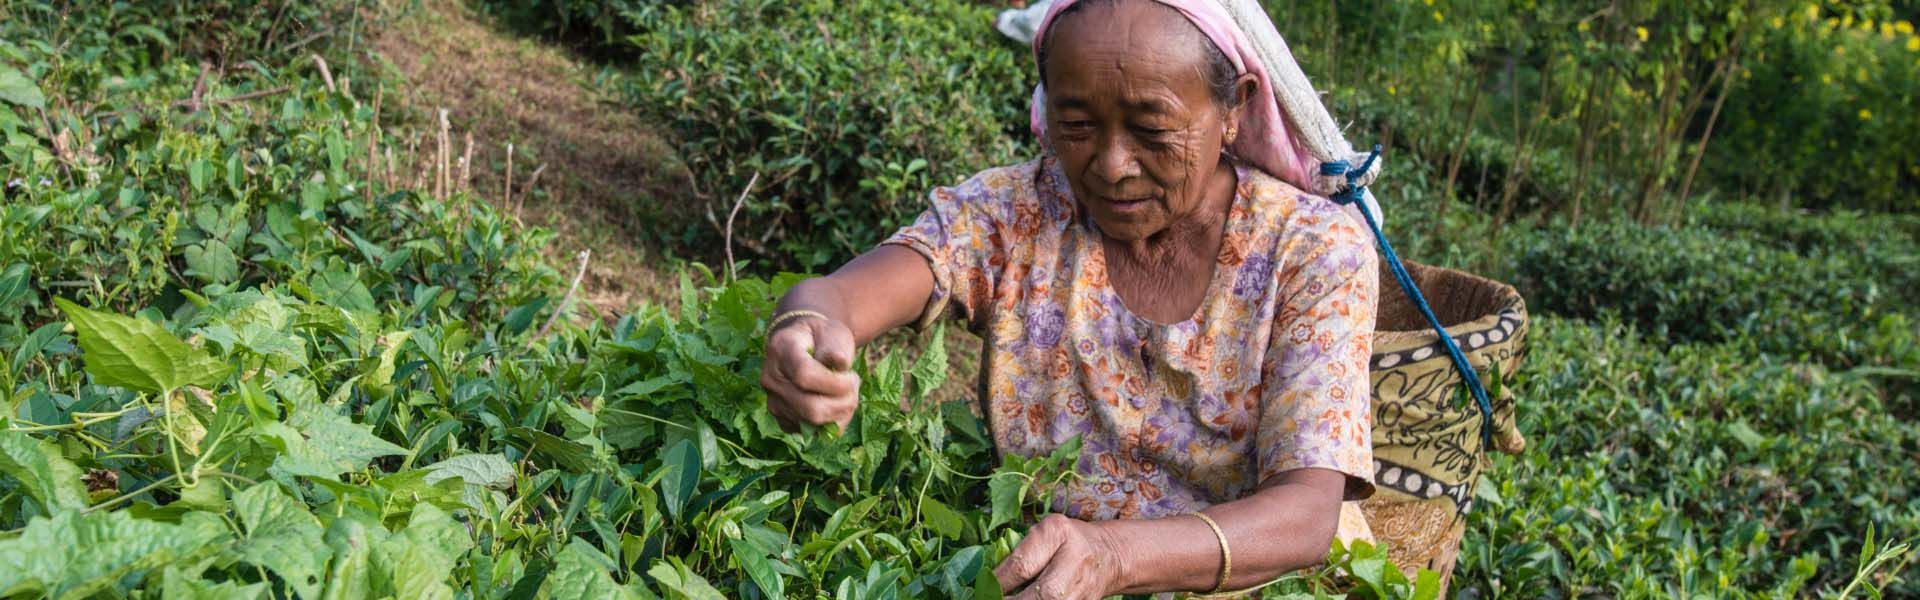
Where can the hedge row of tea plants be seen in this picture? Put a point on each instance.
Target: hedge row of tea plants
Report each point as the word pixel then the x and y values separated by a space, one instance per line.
pixel 1695 470
pixel 847 112
pixel 237 365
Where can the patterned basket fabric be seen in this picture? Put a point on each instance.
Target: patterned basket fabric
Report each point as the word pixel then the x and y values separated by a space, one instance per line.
pixel 1427 446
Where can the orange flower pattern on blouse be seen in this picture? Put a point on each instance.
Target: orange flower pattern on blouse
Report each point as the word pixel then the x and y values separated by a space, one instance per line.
pixel 1270 375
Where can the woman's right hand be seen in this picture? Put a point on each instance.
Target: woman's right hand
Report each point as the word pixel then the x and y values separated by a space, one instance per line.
pixel 808 373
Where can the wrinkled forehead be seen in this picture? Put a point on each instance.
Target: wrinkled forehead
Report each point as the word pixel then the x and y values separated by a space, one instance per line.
pixel 1140 39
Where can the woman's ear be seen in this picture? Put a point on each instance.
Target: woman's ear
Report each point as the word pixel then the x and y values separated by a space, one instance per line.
pixel 1244 88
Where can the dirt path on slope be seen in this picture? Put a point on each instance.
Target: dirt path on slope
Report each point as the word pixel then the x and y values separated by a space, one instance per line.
pixel 604 168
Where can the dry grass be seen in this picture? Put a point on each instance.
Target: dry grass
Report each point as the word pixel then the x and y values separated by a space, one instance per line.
pixel 603 167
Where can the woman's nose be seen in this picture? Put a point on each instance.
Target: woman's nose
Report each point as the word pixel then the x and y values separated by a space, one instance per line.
pixel 1114 160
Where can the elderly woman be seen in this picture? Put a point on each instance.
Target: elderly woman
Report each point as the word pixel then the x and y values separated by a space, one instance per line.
pixel 1157 284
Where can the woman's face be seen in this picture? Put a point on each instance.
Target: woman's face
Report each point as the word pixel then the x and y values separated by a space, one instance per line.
pixel 1132 117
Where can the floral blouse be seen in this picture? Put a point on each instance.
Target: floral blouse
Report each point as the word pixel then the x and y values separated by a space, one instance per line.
pixel 1268 376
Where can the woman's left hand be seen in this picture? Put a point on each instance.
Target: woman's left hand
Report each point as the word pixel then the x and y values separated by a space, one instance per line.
pixel 1063 558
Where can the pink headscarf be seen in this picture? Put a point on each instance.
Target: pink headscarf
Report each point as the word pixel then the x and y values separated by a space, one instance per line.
pixel 1266 138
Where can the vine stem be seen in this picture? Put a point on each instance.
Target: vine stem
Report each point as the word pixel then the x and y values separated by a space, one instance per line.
pixel 129 495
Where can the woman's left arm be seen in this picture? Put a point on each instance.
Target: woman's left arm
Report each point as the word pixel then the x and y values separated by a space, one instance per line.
pixel 1287 525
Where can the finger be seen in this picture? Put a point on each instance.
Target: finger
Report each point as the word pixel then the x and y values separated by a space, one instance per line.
pixel 1030 557
pixel 821 410
pixel 814 377
pixel 1057 582
pixel 833 344
pixel 788 347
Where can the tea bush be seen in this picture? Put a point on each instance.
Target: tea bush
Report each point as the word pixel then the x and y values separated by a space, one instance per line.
pixel 1695 285
pixel 848 112
pixel 1661 470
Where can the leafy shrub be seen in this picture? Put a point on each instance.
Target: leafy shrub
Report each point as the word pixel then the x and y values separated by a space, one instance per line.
pixel 1745 475
pixel 1693 285
pixel 848 112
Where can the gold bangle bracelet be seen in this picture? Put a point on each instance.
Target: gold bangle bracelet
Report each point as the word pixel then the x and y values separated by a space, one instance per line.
pixel 794 314
pixel 1226 554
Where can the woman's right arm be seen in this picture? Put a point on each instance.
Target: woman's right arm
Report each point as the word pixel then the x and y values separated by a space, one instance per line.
pixel 808 369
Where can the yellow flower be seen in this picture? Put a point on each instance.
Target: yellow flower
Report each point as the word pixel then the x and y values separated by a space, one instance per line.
pixel 1439 18
pixel 1640 32
pixel 1826 79
pixel 1840 50
pixel 1429 2
pixel 1886 30
pixel 1913 43
pixel 1846 22
pixel 1582 26
pixel 1777 23
pixel 1903 27
pixel 1866 115
pixel 1813 11
pixel 1392 92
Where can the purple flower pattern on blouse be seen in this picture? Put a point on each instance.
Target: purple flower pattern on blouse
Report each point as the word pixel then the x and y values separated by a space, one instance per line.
pixel 1269 376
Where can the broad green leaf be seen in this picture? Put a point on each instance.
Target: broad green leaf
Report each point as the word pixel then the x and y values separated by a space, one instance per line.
pixel 318 442
pixel 340 288
pixel 930 371
pixel 577 575
pixel 351 574
pixel 17 89
pixel 176 584
pixel 212 262
pixel 680 583
pixel 136 354
pixel 753 559
pixel 682 461
pixel 41 471
pixel 488 470
pixel 282 536
pixel 417 561
pixel 1426 585
pixel 46 560
pixel 379 382
pixel 1006 491
pixel 15 287
pixel 940 519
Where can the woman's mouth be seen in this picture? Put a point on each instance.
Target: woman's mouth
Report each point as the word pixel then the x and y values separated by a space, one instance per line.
pixel 1129 205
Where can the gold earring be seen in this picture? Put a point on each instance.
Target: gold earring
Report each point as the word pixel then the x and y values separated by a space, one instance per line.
pixel 1232 133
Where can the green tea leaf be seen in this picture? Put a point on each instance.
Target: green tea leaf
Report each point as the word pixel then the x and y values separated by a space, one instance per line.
pixel 680 582
pixel 753 559
pixel 40 469
pixel 941 519
pixel 138 355
pixel 17 89
pixel 282 536
pixel 682 461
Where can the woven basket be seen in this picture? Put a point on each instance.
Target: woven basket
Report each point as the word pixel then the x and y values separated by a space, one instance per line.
pixel 1427 448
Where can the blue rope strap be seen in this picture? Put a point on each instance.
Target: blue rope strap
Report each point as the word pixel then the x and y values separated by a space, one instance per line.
pixel 1353 194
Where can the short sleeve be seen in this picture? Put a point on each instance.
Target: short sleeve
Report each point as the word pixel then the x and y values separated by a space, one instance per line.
pixel 1315 407
pixel 961 239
